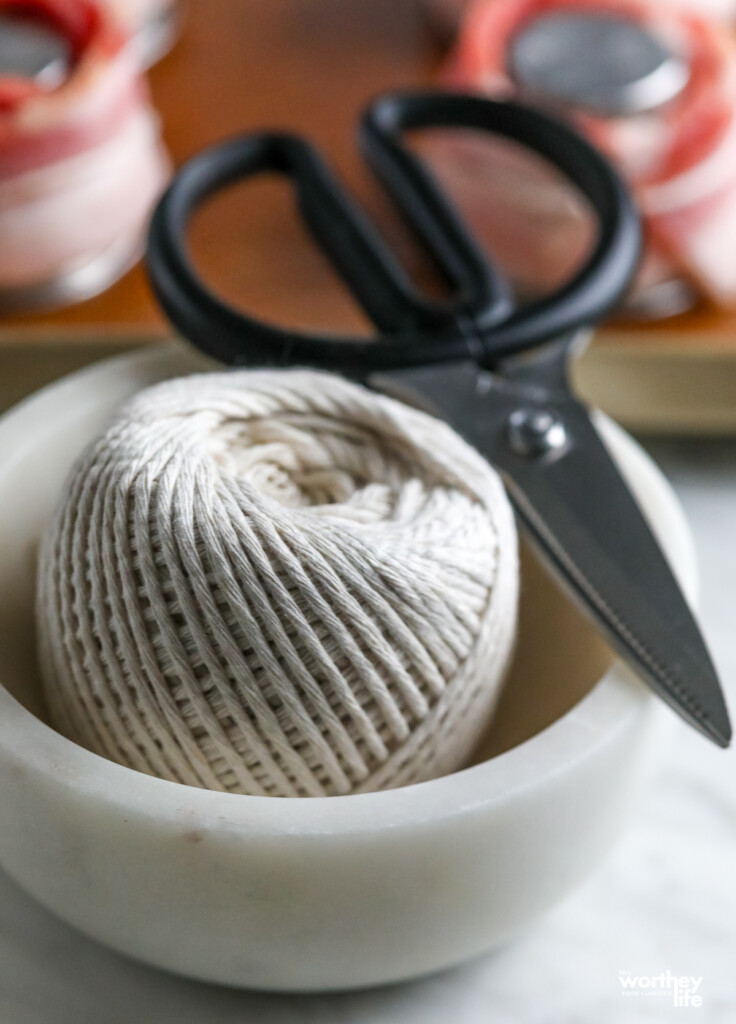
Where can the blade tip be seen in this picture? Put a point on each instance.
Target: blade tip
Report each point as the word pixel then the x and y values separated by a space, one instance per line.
pixel 723 739
pixel 720 732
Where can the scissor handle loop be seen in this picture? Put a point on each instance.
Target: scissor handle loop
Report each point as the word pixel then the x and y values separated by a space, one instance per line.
pixel 413 331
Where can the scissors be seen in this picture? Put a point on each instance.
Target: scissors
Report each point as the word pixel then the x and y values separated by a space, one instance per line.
pixel 498 374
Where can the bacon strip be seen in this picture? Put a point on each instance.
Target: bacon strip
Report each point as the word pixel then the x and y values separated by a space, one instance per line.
pixel 103 88
pixel 81 164
pixel 680 160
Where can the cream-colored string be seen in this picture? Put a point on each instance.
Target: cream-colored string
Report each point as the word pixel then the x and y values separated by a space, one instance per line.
pixel 278 583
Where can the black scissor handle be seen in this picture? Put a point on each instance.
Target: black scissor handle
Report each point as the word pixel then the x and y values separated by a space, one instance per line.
pixel 343 232
pixel 597 288
pixel 478 321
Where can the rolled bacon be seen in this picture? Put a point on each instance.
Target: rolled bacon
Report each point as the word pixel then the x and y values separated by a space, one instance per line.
pixel 81 164
pixel 680 159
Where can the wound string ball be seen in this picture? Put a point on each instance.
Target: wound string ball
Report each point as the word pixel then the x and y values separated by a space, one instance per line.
pixel 278 583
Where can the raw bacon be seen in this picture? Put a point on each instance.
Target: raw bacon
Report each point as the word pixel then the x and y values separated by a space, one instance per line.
pixel 80 164
pixel 680 159
pixel 533 223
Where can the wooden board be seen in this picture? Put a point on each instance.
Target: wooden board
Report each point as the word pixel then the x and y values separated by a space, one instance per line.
pixel 311 65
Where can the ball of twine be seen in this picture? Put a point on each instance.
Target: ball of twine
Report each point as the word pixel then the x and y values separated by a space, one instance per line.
pixel 277 583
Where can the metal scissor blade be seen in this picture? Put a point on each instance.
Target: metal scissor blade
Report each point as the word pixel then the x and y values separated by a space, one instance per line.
pixel 586 524
pixel 580 514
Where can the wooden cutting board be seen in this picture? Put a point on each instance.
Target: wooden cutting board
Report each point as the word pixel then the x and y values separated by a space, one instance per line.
pixel 311 65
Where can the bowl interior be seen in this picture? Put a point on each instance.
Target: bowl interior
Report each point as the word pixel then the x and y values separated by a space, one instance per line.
pixel 558 659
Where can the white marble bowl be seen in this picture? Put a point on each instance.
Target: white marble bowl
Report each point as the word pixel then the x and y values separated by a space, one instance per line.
pixel 320 893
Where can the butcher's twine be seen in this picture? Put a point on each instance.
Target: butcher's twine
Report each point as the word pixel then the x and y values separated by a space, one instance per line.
pixel 278 583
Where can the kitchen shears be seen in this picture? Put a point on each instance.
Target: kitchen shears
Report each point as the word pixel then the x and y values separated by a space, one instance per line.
pixel 497 373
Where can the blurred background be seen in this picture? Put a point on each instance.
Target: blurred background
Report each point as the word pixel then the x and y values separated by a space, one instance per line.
pixel 129 91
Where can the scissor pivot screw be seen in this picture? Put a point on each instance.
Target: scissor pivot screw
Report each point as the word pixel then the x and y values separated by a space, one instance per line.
pixel 533 433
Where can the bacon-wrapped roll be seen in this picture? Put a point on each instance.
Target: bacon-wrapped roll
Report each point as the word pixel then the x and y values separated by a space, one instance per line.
pixel 81 163
pixel 679 157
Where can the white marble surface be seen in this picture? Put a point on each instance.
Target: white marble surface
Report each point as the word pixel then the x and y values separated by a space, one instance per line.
pixel 664 901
